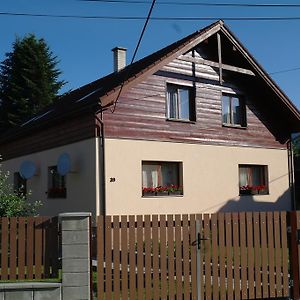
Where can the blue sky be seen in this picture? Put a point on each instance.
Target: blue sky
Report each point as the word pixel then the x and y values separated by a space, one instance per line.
pixel 83 46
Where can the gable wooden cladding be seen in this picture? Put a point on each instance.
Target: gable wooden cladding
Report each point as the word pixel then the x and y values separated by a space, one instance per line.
pixel 62 133
pixel 141 110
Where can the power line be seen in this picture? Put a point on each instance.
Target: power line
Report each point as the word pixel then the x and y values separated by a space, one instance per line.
pixel 132 18
pixel 279 5
pixel 284 71
pixel 135 52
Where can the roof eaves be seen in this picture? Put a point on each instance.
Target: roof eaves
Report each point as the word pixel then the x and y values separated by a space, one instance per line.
pixel 260 70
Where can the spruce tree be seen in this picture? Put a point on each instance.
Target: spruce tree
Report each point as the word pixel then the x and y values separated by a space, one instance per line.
pixel 29 81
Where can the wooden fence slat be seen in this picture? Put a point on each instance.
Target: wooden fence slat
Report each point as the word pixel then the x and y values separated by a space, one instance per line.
pixel 38 247
pixel 140 257
pixel 108 258
pixel 132 258
pixel 55 240
pixel 155 266
pixel 170 268
pixel 148 294
pixel 178 257
pixel 116 257
pixel 186 257
pixel 12 248
pixel 257 254
pixel 215 260
pixel 21 248
pixel 193 247
pixel 163 256
pixel 293 252
pixel 243 254
pixel 201 277
pixel 250 255
pixel 229 255
pixel 236 255
pixel 277 255
pixel 285 259
pixel 30 247
pixel 47 247
pixel 124 257
pixel 264 255
pixel 100 257
pixel 207 236
pixel 4 248
pixel 222 253
pixel 270 232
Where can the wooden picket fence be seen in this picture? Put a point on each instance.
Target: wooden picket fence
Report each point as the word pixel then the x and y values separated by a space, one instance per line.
pixel 242 256
pixel 29 248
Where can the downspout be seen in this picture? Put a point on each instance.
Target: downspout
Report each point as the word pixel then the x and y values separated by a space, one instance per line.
pixel 101 163
pixel 291 174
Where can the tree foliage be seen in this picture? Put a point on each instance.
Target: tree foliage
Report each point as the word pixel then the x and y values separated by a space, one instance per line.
pixel 29 81
pixel 296 145
pixel 12 203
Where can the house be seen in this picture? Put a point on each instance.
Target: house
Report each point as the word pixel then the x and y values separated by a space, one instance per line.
pixel 199 126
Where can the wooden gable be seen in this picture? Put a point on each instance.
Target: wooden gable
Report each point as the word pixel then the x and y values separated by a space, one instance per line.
pixel 213 66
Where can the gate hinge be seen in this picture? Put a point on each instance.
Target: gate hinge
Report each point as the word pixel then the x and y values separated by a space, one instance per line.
pixel 288 229
pixel 291 282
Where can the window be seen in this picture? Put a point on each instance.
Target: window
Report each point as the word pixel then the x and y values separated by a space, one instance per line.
pixel 20 184
pixel 180 103
pixel 253 180
pixel 56 184
pixel 233 111
pixel 161 178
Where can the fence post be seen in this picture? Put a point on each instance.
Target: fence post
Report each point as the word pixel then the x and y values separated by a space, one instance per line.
pixel 294 262
pixel 76 264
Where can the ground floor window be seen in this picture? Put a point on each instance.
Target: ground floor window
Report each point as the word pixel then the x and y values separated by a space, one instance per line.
pixel 161 178
pixel 20 184
pixel 253 180
pixel 56 184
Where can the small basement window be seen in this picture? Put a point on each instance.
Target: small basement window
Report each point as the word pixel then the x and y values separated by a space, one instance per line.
pixel 20 184
pixel 233 111
pixel 180 103
pixel 253 180
pixel 56 184
pixel 161 178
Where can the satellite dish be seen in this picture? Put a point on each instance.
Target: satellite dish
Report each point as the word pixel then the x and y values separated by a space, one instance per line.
pixel 27 169
pixel 64 164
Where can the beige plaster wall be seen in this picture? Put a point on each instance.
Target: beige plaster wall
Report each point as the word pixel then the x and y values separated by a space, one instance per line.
pixel 210 178
pixel 81 181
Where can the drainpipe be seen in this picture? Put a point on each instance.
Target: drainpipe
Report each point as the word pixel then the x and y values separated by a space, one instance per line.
pixel 291 173
pixel 101 163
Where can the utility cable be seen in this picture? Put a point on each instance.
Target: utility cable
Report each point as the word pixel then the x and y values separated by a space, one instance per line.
pixel 279 5
pixel 284 71
pixel 135 52
pixel 153 18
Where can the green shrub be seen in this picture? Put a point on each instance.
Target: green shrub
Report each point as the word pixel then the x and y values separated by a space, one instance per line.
pixel 12 203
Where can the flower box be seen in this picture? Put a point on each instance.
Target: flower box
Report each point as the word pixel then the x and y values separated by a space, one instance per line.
pixel 162 191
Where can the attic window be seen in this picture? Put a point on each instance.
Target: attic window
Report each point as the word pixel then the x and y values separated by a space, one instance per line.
pixel 180 103
pixel 233 111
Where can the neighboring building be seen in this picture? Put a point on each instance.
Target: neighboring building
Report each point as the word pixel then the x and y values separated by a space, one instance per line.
pixel 199 127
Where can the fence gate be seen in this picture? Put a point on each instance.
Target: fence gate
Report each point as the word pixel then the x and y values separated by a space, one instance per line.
pixel 242 256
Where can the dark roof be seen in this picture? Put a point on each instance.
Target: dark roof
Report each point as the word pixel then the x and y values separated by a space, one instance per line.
pixel 88 96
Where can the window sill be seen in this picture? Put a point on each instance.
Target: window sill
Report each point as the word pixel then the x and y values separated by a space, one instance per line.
pixel 181 120
pixel 234 126
pixel 253 194
pixel 163 196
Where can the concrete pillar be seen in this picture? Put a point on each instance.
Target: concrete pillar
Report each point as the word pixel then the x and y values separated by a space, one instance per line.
pixel 76 271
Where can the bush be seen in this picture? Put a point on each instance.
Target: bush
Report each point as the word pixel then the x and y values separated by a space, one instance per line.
pixel 12 203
